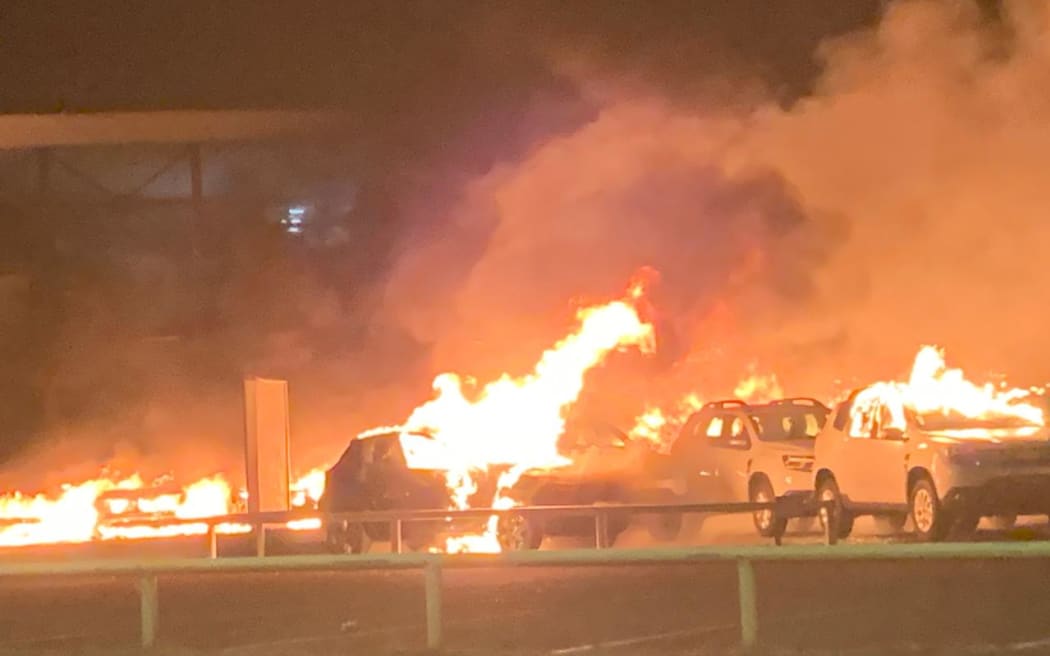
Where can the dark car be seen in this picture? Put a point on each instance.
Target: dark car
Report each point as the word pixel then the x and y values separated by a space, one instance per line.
pixel 608 468
pixel 373 474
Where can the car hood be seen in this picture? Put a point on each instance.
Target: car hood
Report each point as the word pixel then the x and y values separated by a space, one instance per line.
pixel 790 447
pixel 991 437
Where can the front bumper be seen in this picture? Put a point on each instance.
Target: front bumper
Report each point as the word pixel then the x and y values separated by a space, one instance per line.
pixel 1027 494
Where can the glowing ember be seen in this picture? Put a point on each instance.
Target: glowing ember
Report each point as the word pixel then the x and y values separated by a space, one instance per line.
pixel 935 389
pixel 515 421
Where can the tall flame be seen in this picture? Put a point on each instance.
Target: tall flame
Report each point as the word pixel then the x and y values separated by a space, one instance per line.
pixel 516 421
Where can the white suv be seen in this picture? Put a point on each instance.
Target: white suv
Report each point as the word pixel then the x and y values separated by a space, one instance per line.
pixel 944 471
pixel 732 451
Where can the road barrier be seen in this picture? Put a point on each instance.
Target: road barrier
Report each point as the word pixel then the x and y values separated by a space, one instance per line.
pixel 432 565
pixel 259 522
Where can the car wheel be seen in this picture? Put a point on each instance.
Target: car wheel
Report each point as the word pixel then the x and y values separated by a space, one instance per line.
pixel 841 518
pixel 891 524
pixel 516 532
pixel 929 518
pixel 767 522
pixel 1003 522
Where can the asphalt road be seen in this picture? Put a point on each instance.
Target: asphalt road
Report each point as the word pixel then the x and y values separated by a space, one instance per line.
pixel 650 609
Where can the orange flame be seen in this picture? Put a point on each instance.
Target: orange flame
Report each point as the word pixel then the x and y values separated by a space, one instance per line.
pixel 515 421
pixel 758 388
pixel 935 389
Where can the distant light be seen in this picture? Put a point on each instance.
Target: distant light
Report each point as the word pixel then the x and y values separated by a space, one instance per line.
pixel 295 220
pixel 296 210
pixel 295 230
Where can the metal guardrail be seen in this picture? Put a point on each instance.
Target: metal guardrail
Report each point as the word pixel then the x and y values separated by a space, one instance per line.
pixel 147 571
pixel 397 518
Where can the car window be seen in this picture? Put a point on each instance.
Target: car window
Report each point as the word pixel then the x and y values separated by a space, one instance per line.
pixel 715 427
pixel 738 432
pixel 784 421
pixel 863 420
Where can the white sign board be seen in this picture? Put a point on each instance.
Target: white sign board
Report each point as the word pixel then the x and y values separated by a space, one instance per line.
pixel 267 444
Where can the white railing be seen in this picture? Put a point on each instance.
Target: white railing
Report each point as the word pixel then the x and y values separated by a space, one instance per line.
pixel 432 565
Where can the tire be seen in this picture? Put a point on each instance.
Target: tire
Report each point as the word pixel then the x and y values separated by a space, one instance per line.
pixel 929 519
pixel 892 524
pixel 767 522
pixel 1003 522
pixel 828 490
pixel 516 532
pixel 347 538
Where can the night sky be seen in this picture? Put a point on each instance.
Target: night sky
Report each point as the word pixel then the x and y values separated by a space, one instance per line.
pixel 384 59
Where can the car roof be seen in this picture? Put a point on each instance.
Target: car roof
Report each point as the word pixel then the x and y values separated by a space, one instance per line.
pixel 795 401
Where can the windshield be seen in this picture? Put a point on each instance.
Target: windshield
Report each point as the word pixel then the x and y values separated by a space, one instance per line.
pixel 776 423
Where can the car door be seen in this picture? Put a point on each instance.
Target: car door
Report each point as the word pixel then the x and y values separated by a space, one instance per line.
pixel 877 457
pixel 694 458
pixel 733 455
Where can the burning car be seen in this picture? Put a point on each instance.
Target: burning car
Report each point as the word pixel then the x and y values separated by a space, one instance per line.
pixel 377 472
pixel 373 474
pixel 883 456
pixel 607 467
pixel 120 508
pixel 733 451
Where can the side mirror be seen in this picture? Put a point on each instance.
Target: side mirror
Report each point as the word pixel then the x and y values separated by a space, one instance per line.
pixel 892 433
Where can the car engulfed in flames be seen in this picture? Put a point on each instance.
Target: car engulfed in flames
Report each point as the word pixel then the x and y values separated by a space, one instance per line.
pixel 497 448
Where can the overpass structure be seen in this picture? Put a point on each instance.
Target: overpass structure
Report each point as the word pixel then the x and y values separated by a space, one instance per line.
pixel 133 161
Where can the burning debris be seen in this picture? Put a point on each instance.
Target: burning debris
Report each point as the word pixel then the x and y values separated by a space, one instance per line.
pixel 113 507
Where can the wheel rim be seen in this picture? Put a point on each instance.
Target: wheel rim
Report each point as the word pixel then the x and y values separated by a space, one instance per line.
pixel 764 518
pixel 923 510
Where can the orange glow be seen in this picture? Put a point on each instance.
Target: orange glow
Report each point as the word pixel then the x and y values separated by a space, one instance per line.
pixel 759 388
pixel 660 426
pixel 307 489
pixel 82 512
pixel 513 422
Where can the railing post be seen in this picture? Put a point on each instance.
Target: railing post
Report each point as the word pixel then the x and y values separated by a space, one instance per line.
pixel 601 529
pixel 395 536
pixel 260 540
pixel 149 609
pixel 831 523
pixel 748 604
pixel 432 589
pixel 213 542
